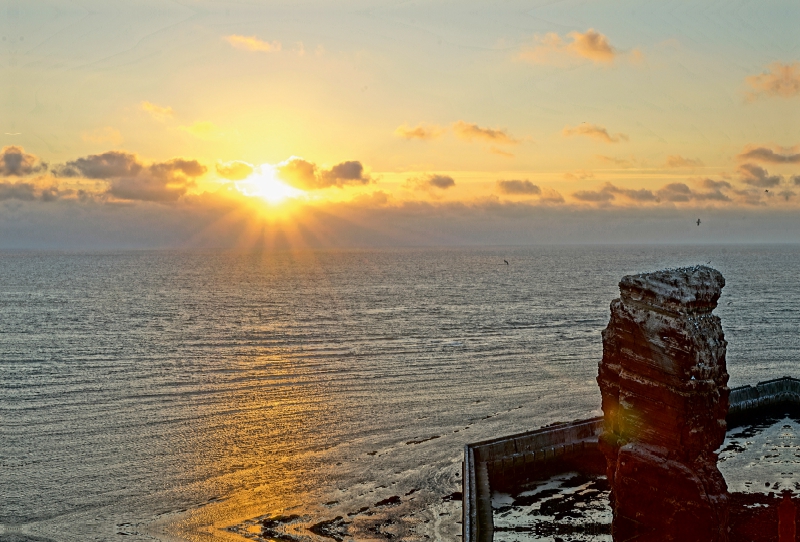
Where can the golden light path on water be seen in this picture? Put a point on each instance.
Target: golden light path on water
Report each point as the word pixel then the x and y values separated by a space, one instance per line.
pixel 259 454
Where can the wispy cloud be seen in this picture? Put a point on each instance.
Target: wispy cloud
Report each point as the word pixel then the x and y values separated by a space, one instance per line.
pixel 590 45
pixel 518 188
pixel 469 132
pixel 235 170
pixel 421 131
pixel 594 131
pixel 764 154
pixel 156 111
pixel 675 161
pixel 782 80
pixel 252 43
pixel 578 175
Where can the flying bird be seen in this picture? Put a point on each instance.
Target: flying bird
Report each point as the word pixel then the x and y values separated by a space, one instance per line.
pixel 698 221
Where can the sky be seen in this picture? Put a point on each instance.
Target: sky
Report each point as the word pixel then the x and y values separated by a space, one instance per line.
pixel 366 123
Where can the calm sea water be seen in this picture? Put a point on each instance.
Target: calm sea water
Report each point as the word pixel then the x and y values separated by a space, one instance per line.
pixel 172 395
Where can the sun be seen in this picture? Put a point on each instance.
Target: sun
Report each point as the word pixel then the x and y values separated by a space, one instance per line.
pixel 263 183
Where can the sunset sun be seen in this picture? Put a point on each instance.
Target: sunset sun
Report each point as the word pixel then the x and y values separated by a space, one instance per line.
pixel 262 183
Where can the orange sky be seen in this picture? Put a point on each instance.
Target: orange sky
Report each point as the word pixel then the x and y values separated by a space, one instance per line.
pixel 382 123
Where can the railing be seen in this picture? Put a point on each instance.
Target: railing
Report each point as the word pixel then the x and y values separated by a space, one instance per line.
pixel 492 458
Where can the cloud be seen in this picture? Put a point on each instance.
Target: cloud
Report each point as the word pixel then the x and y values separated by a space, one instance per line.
pixel 157 112
pixel 102 166
pixel 252 43
pixel 129 179
pixel 795 180
pixel 671 193
pixel 622 162
pixel 14 161
pixel 590 45
pixel 757 176
pixel 579 175
pixel 306 175
pixel 787 194
pixel 676 161
pixel 593 131
pixel 421 131
pixel 442 182
pixel 608 192
pixel 763 154
pixel 593 196
pixel 234 170
pixel 431 182
pixel 516 187
pixel 350 172
pixel 781 80
pixel 103 135
pixel 469 132
pixel 20 191
pixel 501 152
pixel 675 192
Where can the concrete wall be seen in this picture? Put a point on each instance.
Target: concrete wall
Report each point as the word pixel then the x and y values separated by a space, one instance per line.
pixel 501 457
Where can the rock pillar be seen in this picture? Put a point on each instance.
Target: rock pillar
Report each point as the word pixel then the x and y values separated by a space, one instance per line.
pixel 665 397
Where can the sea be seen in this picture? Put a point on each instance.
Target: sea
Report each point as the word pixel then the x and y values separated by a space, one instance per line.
pixel 190 395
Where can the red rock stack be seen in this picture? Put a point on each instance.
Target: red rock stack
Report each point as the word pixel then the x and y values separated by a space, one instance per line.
pixel 665 397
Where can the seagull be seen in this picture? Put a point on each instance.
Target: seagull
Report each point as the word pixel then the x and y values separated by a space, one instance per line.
pixel 698 221
pixel 506 261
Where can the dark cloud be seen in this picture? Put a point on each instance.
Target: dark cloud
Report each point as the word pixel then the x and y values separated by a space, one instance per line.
pixel 130 179
pixel 675 192
pixel 711 184
pixel 20 191
pixel 763 154
pixel 795 180
pixel 757 176
pixel 609 191
pixel 306 175
pixel 433 183
pixel 594 196
pixel 517 187
pixel 787 194
pixel 350 172
pixel 440 181
pixel 102 166
pixel 14 161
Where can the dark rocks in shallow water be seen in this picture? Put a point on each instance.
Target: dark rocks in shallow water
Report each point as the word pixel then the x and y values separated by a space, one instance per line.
pixel 664 391
pixel 388 502
pixel 335 528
